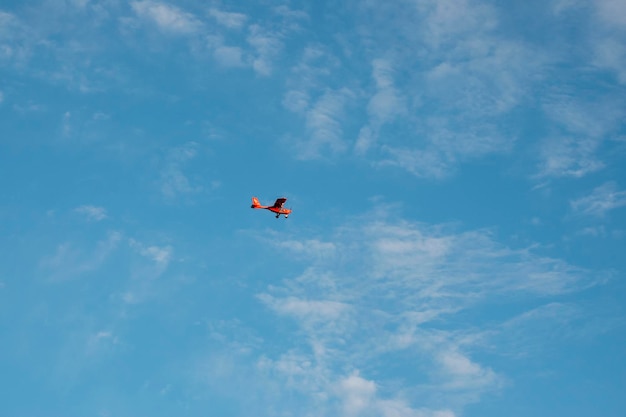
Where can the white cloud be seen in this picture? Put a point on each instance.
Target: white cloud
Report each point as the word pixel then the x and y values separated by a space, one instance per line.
pixel 398 288
pixel 387 102
pixel 603 199
pixel 70 261
pixel 590 117
pixel 384 105
pixel 6 19
pixel 323 125
pixel 310 310
pixel 444 148
pixel 449 20
pixel 315 63
pixel 356 394
pixel 66 124
pixel 229 56
pixel 296 101
pixel 168 18
pixel 607 33
pixel 13 38
pixel 174 183
pixel 81 4
pixel 539 330
pixel 267 46
pixel 441 58
pixel 612 12
pixel 366 138
pixel 569 157
pixel 561 6
pixel 150 264
pixel 323 107
pixel 593 231
pixel 611 54
pixel 228 19
pixel 399 408
pixel 100 341
pixel 461 373
pixel 161 256
pixel 290 14
pixel 421 163
pixel 311 248
pixel 92 213
pixel 587 123
pixel 607 42
pixel 440 265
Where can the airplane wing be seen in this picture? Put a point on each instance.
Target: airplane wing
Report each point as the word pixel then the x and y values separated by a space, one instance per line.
pixel 279 202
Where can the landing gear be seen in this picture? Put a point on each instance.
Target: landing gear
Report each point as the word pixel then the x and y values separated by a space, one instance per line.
pixel 278 215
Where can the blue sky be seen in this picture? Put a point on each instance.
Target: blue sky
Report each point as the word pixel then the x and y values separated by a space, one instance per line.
pixel 457 178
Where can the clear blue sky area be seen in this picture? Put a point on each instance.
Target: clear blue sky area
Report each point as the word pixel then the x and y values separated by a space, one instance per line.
pixel 456 170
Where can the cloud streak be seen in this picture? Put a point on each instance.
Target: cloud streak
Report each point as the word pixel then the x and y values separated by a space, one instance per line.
pixel 69 262
pixel 602 199
pixel 170 19
pixel 267 46
pixel 174 183
pixel 398 288
pixel 228 19
pixel 323 126
pixel 92 213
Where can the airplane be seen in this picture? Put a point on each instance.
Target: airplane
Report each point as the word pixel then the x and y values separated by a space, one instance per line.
pixel 276 208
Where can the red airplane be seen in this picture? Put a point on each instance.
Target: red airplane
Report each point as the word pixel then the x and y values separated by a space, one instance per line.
pixel 276 208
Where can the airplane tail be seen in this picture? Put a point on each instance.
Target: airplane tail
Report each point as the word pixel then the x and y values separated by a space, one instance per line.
pixel 255 203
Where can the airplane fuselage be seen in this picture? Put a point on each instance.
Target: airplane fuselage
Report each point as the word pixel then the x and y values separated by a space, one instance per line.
pixel 274 209
pixel 279 211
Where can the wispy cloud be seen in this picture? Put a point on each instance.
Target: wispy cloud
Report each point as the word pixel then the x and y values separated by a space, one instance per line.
pixel 310 248
pixel 159 255
pixel 446 83
pixel 415 255
pixel 398 287
pixel 267 46
pixel 228 19
pixel 443 100
pixel 323 125
pixel 587 123
pixel 612 11
pixel 461 373
pixel 14 39
pixel 73 50
pixel 611 54
pixel 100 341
pixel 169 19
pixel 609 49
pixel 314 310
pixel 422 163
pixel 387 102
pixel 174 182
pixel 70 261
pixel 308 75
pixel 569 157
pixel 444 148
pixel 359 396
pixel 92 213
pixel 229 56
pixel 385 105
pixel 601 200
pixel 544 328
pixel 152 262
